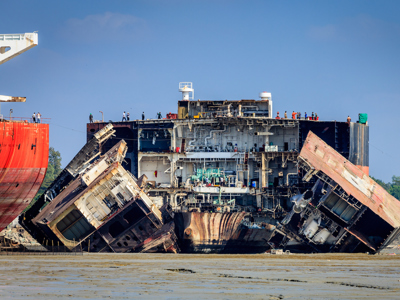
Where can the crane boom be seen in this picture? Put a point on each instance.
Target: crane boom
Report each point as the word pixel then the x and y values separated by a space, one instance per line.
pixel 12 45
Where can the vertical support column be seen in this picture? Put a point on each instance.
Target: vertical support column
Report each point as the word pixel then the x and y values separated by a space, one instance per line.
pixel 248 170
pixel 139 164
pixel 259 200
pixel 263 176
pixel 173 163
pixel 139 140
pixel 174 138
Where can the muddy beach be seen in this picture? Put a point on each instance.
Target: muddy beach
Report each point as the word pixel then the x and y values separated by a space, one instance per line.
pixel 187 276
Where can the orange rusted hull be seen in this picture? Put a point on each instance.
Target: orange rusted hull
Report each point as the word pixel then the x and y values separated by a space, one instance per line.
pixel 24 153
pixel 220 233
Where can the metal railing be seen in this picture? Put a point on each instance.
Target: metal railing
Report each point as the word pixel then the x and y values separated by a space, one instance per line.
pixel 12 37
pixel 24 119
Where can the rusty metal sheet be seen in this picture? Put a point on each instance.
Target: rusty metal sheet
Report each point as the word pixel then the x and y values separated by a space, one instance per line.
pixel 206 232
pixel 322 157
pixel 220 233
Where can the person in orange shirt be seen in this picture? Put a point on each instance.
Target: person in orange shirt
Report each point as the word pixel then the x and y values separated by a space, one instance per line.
pixel 293 115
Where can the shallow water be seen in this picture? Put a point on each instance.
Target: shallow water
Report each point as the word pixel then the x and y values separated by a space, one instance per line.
pixel 188 276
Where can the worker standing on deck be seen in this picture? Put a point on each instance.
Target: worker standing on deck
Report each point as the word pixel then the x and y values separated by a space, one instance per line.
pixel 91 118
pixel 316 117
pixel 277 116
pixel 285 115
pixel 348 120
pixel 293 115
pixel 299 117
pixel 38 117
pixel 312 116
pixel 142 116
pixel 159 116
pixel 128 116
pixel 305 116
pixel 123 117
pixel 34 118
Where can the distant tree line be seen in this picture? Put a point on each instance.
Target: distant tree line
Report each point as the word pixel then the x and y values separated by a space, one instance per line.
pixel 393 187
pixel 53 170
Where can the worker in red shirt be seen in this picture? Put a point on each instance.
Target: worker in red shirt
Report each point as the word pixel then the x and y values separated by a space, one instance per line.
pixel 277 116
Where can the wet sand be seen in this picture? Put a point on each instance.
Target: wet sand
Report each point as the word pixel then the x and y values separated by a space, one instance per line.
pixel 187 276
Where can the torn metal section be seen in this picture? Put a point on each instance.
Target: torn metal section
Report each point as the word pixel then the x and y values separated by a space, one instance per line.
pixel 102 209
pixel 317 155
pixel 221 233
pixel 349 212
pixel 78 164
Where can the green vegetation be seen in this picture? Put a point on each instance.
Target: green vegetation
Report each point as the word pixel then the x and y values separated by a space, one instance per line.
pixel 392 187
pixel 53 169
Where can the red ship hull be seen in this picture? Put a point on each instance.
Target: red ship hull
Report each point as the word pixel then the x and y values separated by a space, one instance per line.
pixel 24 154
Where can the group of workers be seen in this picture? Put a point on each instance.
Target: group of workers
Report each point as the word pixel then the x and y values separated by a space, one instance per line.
pixel 125 116
pixel 297 115
pixel 159 116
pixel 36 117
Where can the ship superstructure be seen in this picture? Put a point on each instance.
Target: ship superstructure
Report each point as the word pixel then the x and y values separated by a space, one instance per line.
pixel 228 155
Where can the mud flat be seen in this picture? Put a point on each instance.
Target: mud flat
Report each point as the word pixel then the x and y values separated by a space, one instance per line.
pixel 184 276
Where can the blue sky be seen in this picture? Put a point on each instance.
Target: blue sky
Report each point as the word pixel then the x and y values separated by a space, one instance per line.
pixel 336 58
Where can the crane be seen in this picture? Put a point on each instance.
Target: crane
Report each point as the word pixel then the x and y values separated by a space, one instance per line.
pixel 12 45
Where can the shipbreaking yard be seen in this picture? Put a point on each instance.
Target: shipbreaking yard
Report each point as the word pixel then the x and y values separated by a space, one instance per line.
pixel 218 177
pixel 194 276
pixel 174 207
pixel 117 183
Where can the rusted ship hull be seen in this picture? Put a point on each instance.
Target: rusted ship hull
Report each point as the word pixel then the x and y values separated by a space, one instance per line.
pixel 24 153
pixel 349 212
pixel 220 233
pixel 97 206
